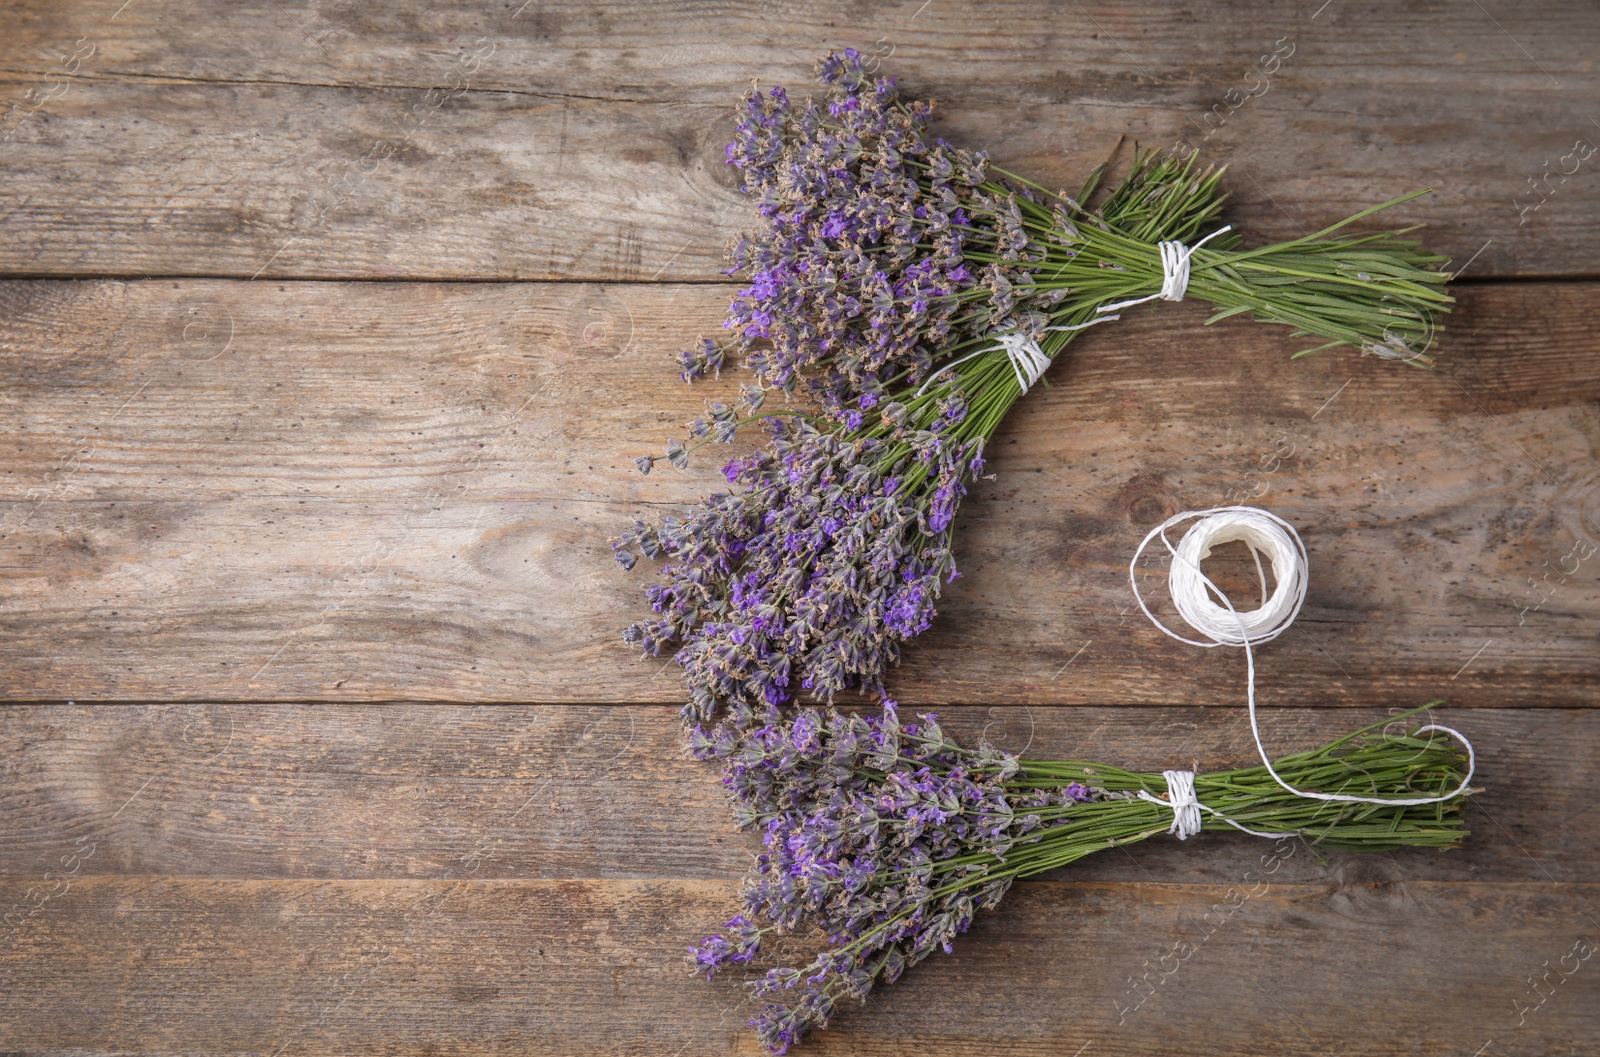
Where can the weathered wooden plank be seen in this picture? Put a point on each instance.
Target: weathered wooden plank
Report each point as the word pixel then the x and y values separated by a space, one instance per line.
pixel 584 141
pixel 571 792
pixel 369 491
pixel 476 966
pixel 677 51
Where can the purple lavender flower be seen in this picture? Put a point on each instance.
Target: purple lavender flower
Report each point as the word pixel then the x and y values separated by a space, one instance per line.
pixel 809 578
pixel 879 835
pixel 861 270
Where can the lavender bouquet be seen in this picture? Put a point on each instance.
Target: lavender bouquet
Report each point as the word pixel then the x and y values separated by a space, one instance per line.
pixel 882 840
pixel 903 295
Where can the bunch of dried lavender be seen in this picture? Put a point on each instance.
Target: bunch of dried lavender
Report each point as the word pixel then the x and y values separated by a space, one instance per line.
pixel 914 296
pixel 887 252
pixel 885 839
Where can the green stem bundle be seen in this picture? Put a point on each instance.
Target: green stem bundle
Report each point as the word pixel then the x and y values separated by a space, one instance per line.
pixel 1377 292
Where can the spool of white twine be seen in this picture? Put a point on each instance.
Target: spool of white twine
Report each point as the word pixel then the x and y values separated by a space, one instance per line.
pixel 1197 600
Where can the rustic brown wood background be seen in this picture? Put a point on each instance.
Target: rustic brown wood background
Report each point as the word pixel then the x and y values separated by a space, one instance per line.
pixel 328 332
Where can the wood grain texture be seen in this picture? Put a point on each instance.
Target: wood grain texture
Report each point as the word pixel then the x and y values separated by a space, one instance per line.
pixel 270 491
pixel 400 792
pixel 469 966
pixel 583 141
pixel 260 513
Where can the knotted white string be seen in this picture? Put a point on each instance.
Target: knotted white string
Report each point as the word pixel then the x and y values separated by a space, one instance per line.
pixel 1260 531
pixel 1028 360
pixel 1180 797
pixel 1174 272
pixel 1186 807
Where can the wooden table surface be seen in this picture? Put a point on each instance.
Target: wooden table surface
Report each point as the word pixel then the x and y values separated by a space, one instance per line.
pixel 329 331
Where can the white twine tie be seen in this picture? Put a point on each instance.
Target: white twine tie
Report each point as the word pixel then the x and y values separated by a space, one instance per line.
pixel 1186 808
pixel 1192 593
pixel 1174 272
pixel 1180 797
pixel 1028 360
